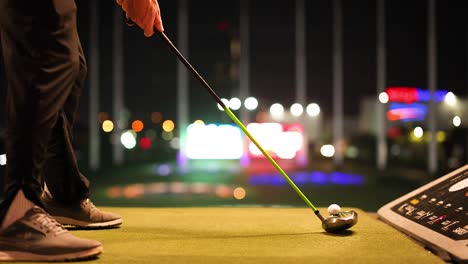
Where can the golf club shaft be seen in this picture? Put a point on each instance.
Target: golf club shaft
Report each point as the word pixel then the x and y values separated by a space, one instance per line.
pixel 234 118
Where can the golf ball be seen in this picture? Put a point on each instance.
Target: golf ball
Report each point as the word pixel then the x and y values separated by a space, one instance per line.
pixel 334 209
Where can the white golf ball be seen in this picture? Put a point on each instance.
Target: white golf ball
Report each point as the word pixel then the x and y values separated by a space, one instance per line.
pixel 334 209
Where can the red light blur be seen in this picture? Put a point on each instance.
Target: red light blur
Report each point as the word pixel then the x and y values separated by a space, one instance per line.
pixel 402 94
pixel 394 132
pixel 145 143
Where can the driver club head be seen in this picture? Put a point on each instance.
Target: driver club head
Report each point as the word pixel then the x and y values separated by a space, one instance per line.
pixel 339 222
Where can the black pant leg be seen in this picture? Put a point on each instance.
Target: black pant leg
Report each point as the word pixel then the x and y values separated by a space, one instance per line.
pixel 61 172
pixel 41 51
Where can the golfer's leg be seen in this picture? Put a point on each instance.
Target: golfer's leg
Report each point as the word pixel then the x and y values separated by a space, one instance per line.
pixel 61 173
pixel 41 68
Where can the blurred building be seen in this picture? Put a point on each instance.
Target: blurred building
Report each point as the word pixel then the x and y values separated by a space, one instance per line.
pixel 406 126
pixel 414 113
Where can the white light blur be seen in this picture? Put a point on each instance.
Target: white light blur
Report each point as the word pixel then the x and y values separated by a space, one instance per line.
pixel 266 135
pixel 225 101
pixel 235 103
pixel 214 142
pixel 3 159
pixel 277 110
pixel 296 109
pixel 450 99
pixel 418 132
pixel 456 121
pixel 383 97
pixel 327 151
pixel 313 109
pixel 251 103
pixel 128 139
pixel 288 145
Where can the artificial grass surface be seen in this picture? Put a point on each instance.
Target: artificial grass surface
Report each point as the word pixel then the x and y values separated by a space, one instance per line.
pixel 249 235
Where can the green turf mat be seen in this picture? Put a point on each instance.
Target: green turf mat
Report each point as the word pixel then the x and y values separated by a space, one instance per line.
pixel 249 235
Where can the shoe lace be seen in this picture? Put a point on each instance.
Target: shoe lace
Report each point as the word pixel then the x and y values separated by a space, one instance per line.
pixel 49 224
pixel 88 202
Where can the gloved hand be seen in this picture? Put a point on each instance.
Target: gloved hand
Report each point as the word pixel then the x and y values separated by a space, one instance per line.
pixel 144 13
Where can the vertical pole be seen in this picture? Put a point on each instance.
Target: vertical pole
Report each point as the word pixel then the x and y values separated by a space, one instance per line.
pixel 244 65
pixel 94 141
pixel 432 83
pixel 118 83
pixel 301 90
pixel 338 82
pixel 182 83
pixel 381 85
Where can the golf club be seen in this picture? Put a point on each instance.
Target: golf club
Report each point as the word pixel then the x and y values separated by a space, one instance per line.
pixel 334 223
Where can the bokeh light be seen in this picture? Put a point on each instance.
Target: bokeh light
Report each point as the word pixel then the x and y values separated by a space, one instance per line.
pixel 114 192
pixel 383 97
pixel 168 126
pixel 145 143
pixel 251 103
pixel 440 136
pixel 178 187
pixel 456 121
pixel 164 169
pixel 235 103
pixel 239 193
pixel 156 117
pixel 137 126
pixel 418 132
pixel 134 191
pixel 352 152
pixel 167 136
pixel 128 139
pixel 277 110
pixel 327 150
pixel 313 109
pixel 296 109
pixel 157 188
pixel 199 122
pixel 225 101
pixel 223 191
pixel 107 126
pixel 450 99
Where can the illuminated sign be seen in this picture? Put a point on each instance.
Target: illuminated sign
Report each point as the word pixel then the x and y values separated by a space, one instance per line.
pixel 214 142
pixel 413 94
pixel 406 112
pixel 284 141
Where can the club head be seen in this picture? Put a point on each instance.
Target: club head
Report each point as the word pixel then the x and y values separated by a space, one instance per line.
pixel 339 222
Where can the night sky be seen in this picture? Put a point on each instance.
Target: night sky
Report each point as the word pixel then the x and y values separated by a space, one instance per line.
pixel 150 69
